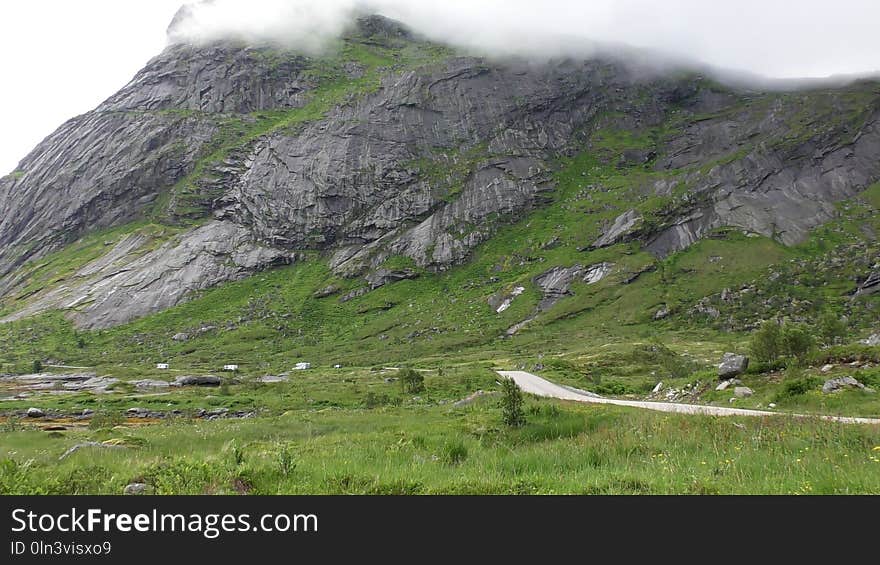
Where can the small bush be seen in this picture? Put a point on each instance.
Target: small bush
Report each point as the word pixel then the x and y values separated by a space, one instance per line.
pixel 512 404
pixel 615 388
pixel 373 400
pixel 106 419
pixel 832 329
pixel 765 343
pixel 286 460
pixel 412 381
pixel 773 341
pixel 796 341
pixel 12 424
pixel 848 354
pixel 797 387
pixel 182 476
pixel 37 366
pixel 236 453
pixel 454 452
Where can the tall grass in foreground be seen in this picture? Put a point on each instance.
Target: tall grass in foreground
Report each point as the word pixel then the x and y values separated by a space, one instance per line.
pixel 390 450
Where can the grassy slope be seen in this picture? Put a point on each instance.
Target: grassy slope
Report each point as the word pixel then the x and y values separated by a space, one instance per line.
pixel 603 338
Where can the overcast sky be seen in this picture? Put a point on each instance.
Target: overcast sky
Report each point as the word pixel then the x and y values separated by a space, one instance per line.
pixel 60 58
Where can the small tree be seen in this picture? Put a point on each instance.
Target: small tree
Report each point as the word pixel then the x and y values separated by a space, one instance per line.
pixel 412 381
pixel 38 366
pixel 765 343
pixel 831 329
pixel 511 404
pixel 796 341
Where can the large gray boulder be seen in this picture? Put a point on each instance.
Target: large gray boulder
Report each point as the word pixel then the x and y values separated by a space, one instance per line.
pixel 198 380
pixel 732 365
pixel 840 383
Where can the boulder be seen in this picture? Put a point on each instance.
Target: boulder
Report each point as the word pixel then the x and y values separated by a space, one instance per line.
pixel 353 294
pixel 382 277
pixel 743 392
pixel 326 291
pixel 872 340
pixel 724 385
pixel 198 380
pixel 35 413
pixel 662 313
pixel 840 383
pixel 180 337
pixel 135 489
pixel 871 284
pixel 150 383
pixel 89 444
pixel 732 365
pixel 827 368
pixel 623 226
pixel 473 398
pixel 270 379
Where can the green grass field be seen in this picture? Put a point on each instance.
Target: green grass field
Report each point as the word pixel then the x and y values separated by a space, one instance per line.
pixel 350 431
pixel 419 447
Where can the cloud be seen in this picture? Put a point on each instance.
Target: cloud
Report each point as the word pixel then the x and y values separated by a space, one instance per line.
pixel 775 38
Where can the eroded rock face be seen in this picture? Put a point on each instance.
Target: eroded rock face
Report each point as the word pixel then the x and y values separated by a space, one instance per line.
pixel 556 283
pixel 106 293
pixel 871 284
pixel 782 191
pixel 622 227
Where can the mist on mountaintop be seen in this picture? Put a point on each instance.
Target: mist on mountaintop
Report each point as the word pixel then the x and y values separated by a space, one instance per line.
pixel 757 38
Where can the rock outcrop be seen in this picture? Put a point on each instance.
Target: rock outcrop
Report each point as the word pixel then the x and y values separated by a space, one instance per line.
pixel 732 365
pixel 425 162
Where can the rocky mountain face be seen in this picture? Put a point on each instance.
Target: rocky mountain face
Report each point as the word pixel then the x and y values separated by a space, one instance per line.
pixel 390 146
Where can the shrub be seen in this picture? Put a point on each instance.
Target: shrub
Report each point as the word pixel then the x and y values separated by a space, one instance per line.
pixel 106 419
pixel 454 452
pixel 412 381
pixel 37 366
pixel 512 404
pixel 797 386
pixel 182 476
pixel 848 354
pixel 286 461
pixel 832 329
pixel 772 341
pixel 236 454
pixel 616 388
pixel 12 424
pixel 16 478
pixel 796 341
pixel 765 343
pixel 373 400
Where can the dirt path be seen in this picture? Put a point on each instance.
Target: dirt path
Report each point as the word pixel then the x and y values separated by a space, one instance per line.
pixel 538 386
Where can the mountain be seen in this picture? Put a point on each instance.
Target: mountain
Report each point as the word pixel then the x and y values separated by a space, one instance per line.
pixel 394 159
